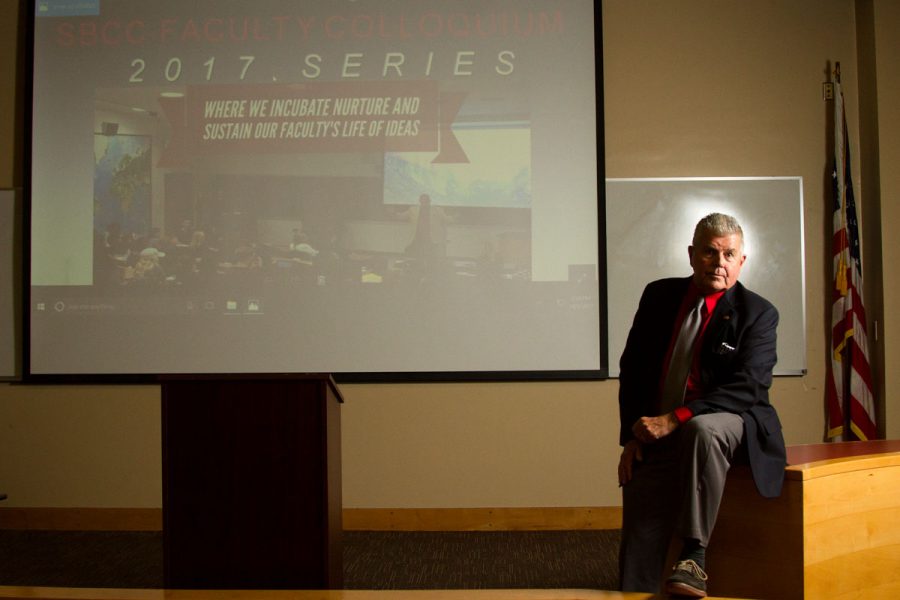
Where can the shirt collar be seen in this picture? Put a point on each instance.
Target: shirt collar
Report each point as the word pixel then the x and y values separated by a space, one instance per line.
pixel 711 299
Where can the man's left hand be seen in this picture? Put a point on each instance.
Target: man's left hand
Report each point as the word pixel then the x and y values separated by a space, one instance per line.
pixel 651 429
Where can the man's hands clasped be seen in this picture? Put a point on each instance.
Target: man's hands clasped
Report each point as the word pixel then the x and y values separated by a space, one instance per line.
pixel 650 429
pixel 646 430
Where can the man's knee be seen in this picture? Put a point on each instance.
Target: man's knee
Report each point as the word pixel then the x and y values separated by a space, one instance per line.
pixel 722 430
pixel 700 428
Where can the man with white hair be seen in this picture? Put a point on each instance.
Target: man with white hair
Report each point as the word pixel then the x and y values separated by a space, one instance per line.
pixel 693 398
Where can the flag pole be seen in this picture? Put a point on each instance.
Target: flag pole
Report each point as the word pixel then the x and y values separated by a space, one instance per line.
pixel 838 402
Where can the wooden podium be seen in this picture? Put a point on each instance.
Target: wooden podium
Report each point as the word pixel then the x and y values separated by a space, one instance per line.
pixel 251 482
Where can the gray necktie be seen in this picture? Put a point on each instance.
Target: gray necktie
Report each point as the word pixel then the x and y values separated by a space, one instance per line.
pixel 682 357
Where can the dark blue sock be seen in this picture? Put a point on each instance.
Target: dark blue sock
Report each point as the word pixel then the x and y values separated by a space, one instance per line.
pixel 692 550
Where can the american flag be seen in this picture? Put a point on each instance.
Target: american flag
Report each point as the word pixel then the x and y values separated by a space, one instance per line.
pixel 850 403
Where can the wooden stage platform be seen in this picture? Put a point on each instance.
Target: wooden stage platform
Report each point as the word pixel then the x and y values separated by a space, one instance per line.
pixel 36 593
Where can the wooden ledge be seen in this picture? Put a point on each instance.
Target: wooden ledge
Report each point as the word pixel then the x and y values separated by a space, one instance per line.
pixel 821 460
pixel 836 466
pixel 482 519
pixel 806 453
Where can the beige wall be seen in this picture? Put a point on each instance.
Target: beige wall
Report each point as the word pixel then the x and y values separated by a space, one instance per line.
pixel 693 88
pixel 887 47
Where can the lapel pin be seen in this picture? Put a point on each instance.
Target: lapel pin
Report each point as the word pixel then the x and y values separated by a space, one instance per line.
pixel 725 348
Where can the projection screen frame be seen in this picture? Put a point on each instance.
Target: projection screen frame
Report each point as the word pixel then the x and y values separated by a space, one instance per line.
pixel 362 375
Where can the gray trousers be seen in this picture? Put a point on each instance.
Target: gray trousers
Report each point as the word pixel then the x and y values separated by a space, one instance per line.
pixel 676 489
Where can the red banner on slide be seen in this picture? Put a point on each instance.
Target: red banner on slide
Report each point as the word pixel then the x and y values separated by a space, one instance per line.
pixel 311 117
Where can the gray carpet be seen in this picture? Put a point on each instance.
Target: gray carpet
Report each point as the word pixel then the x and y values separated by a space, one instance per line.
pixel 372 560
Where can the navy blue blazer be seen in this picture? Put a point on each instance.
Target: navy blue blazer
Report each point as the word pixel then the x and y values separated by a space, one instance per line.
pixel 736 361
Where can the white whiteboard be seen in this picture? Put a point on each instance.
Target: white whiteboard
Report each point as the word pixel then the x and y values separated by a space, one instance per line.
pixel 650 223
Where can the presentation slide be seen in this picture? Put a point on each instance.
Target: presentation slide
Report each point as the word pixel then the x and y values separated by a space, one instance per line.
pixel 345 186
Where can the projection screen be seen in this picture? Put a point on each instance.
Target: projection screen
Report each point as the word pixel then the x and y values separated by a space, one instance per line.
pixel 356 187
